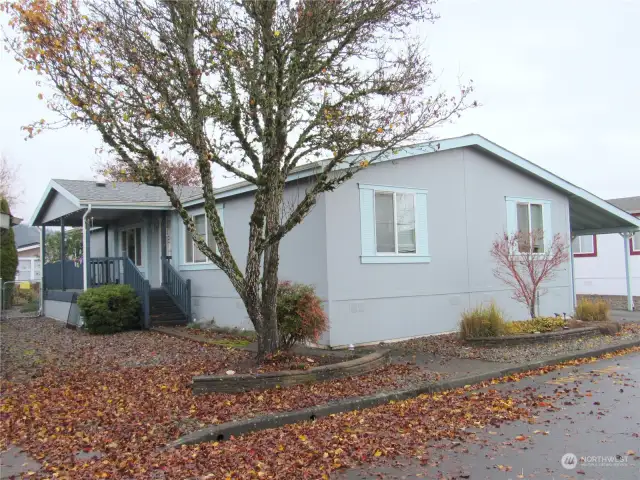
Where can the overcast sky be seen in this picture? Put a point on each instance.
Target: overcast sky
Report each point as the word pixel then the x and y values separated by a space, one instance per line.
pixel 557 80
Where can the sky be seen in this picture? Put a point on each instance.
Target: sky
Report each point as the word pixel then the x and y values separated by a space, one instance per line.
pixel 557 82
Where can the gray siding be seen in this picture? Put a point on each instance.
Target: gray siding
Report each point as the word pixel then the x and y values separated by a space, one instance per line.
pixel 466 210
pixel 57 207
pixel 302 258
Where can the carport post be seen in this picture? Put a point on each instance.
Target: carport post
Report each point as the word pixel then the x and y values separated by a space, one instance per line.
pixel 626 237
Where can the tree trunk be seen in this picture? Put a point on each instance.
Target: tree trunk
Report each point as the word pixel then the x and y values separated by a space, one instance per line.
pixel 532 304
pixel 270 297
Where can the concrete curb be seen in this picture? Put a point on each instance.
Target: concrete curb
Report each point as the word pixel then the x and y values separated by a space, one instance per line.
pixel 224 431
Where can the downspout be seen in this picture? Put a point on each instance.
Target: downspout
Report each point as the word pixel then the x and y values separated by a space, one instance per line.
pixel 85 254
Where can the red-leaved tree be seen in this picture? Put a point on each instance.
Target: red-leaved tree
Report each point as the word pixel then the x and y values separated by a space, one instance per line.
pixel 178 171
pixel 523 265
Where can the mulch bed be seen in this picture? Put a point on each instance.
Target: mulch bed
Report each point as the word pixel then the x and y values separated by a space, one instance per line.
pixel 449 345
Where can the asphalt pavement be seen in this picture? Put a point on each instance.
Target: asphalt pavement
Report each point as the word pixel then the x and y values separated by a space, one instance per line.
pixel 594 435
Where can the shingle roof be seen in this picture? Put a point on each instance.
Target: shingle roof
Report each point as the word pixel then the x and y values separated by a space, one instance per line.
pixel 26 235
pixel 628 204
pixel 127 192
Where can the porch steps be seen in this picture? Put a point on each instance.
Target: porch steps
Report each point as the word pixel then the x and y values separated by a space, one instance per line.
pixel 163 311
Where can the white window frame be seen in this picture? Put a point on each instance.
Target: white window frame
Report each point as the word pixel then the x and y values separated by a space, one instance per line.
pixel 578 252
pixel 184 233
pixel 542 207
pixel 395 224
pixel 368 240
pixel 193 243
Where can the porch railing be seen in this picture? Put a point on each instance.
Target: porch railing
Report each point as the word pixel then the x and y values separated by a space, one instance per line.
pixel 105 270
pixel 110 270
pixel 177 287
pixel 132 276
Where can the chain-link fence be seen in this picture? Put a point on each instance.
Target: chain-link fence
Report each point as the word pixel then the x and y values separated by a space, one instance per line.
pixel 19 299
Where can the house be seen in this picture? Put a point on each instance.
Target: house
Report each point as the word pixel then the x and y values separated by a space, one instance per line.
pixel 600 266
pixel 28 245
pixel 398 251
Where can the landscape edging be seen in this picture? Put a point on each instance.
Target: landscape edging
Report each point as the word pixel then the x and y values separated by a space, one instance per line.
pixel 224 431
pixel 533 338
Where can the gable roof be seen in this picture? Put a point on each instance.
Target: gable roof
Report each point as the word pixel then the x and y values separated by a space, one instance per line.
pixel 589 213
pixel 628 204
pixel 87 191
pixel 26 236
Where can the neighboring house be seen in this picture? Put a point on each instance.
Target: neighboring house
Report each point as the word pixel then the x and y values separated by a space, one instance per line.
pixel 599 262
pixel 28 246
pixel 400 250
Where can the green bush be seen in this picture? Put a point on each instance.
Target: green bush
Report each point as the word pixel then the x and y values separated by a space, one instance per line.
pixel 110 308
pixel 300 314
pixel 538 324
pixel 592 310
pixel 482 322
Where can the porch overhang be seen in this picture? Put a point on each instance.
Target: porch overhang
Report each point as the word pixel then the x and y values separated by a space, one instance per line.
pixel 589 218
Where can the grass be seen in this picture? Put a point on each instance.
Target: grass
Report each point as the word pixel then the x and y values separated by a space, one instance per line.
pixel 540 324
pixel 592 310
pixel 482 321
pixel 32 306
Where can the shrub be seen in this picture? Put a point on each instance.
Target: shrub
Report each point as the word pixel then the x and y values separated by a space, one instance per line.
pixel 482 321
pixel 8 258
pixel 538 324
pixel 592 310
pixel 300 314
pixel 110 308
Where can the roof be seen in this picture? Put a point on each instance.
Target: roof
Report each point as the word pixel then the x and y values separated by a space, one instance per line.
pixel 26 236
pixel 589 213
pixel 628 204
pixel 88 191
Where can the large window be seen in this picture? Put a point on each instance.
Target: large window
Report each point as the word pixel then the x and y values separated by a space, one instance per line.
pixel 191 252
pixel 131 244
pixel 530 226
pixel 395 222
pixel 585 246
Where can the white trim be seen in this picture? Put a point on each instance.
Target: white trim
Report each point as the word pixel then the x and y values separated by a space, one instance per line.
pixel 207 264
pixel 53 185
pixel 390 188
pixel 129 206
pixel 143 248
pixel 30 247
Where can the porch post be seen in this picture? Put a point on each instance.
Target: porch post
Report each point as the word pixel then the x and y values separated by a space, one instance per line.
pixel 163 244
pixel 62 252
pixel 626 238
pixel 107 267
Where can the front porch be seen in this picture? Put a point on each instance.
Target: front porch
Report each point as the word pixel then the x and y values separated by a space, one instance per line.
pixel 120 246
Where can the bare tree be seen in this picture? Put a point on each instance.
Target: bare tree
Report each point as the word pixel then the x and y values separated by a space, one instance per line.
pixel 257 87
pixel 10 187
pixel 524 262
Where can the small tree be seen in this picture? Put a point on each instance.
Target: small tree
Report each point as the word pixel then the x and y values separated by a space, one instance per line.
pixel 8 257
pixel 10 187
pixel 178 171
pixel 523 265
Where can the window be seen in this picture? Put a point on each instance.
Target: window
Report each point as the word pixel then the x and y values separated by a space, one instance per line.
pixel 393 224
pixel 635 244
pixel 191 252
pixel 131 244
pixel 585 246
pixel 530 225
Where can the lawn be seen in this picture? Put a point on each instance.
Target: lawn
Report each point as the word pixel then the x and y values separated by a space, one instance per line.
pixel 68 395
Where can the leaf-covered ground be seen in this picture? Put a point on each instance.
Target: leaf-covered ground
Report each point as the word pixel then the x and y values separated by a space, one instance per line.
pixel 65 392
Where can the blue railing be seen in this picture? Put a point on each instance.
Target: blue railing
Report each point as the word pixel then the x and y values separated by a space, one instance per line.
pixel 177 287
pixel 132 276
pixel 105 270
